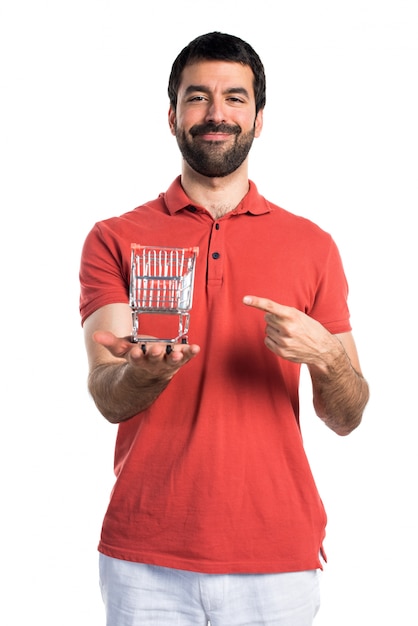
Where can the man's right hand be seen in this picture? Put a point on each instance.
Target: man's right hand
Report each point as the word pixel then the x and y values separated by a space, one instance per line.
pixel 150 358
pixel 125 379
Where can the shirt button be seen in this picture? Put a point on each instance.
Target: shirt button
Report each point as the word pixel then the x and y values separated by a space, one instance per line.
pixel 215 255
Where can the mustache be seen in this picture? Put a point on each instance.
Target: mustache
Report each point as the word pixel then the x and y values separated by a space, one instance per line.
pixel 210 127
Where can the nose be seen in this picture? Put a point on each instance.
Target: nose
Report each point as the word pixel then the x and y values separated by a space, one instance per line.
pixel 215 111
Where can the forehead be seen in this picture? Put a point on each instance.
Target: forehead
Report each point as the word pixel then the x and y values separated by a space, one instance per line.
pixel 217 74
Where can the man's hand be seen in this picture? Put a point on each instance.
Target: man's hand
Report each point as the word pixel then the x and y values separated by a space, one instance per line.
pixel 293 335
pixel 125 378
pixel 340 393
pixel 150 360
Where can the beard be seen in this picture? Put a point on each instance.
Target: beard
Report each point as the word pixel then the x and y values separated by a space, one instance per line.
pixel 211 158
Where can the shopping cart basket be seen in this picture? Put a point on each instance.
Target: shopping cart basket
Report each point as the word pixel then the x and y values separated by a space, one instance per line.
pixel 162 282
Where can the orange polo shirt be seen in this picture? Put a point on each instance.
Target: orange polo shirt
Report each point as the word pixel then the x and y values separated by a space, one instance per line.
pixel 213 477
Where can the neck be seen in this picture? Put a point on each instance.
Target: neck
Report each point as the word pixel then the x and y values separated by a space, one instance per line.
pixel 217 195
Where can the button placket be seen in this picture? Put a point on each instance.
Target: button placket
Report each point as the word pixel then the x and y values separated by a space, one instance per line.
pixel 215 258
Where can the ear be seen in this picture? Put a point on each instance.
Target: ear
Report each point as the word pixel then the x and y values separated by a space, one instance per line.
pixel 172 120
pixel 258 125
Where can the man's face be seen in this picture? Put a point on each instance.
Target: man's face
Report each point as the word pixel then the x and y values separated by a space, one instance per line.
pixel 215 120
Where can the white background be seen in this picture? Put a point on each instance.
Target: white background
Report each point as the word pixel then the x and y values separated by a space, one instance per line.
pixel 84 136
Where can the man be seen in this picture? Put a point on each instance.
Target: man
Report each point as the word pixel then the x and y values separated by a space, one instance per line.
pixel 215 514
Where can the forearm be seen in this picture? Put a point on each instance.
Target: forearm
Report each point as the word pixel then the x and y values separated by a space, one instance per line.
pixel 118 392
pixel 340 393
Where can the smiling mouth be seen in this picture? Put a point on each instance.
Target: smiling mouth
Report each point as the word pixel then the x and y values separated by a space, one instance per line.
pixel 215 137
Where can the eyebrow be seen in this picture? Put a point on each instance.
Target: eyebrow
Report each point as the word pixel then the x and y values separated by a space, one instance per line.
pixel 236 90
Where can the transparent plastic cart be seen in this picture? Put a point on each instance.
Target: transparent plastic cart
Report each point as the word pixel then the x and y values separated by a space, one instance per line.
pixel 161 283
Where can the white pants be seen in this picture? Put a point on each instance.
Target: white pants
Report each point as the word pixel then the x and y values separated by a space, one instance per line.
pixel 136 594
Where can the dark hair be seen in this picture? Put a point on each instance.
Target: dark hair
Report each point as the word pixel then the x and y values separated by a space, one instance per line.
pixel 219 47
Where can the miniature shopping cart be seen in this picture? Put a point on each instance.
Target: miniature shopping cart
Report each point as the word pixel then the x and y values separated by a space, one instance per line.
pixel 162 282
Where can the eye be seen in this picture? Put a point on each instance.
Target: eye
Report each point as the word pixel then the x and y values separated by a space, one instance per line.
pixel 236 99
pixel 196 98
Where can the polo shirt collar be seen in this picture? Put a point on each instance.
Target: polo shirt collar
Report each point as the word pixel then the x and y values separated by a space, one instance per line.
pixel 176 199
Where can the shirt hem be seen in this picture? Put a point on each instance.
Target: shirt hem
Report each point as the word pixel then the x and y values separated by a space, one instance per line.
pixel 204 567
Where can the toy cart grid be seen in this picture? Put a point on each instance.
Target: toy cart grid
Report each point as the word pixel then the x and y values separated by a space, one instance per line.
pixel 162 282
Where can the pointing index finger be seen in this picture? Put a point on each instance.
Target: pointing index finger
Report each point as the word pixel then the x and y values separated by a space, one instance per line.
pixel 264 304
